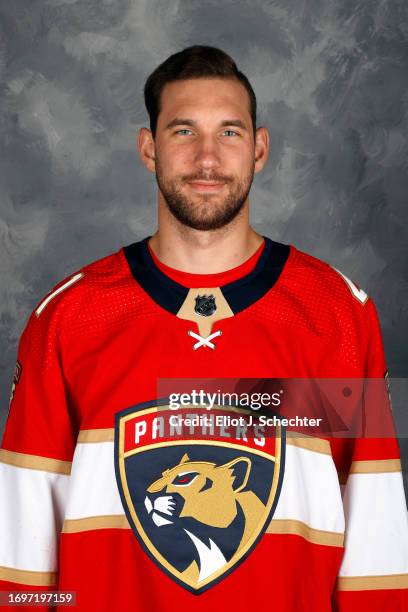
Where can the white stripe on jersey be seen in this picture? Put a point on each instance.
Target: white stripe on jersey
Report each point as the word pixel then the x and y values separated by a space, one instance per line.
pixel 377 525
pixel 52 295
pixel 31 516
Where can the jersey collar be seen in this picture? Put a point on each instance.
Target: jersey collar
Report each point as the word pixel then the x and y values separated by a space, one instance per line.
pixel 239 294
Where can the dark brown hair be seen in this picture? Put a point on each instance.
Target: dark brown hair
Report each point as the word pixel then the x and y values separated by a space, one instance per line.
pixel 192 63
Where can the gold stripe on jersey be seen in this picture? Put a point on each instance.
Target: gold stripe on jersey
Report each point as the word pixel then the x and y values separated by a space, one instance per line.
pixel 371 466
pixel 315 536
pixel 9 574
pixel 35 462
pixel 96 435
pixel 375 466
pixel 316 445
pixel 372 583
pixel 276 526
pixel 114 521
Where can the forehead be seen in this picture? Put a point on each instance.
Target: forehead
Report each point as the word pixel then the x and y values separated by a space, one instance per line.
pixel 198 97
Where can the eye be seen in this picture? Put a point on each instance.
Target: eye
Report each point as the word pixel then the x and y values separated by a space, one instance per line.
pixel 182 130
pixel 231 132
pixel 184 479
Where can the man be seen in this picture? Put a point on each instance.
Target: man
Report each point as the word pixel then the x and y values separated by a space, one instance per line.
pixel 103 495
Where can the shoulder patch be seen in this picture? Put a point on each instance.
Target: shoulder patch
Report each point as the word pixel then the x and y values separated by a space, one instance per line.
pixel 17 373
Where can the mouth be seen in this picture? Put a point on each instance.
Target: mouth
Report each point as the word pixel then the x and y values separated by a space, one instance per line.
pixel 161 505
pixel 206 185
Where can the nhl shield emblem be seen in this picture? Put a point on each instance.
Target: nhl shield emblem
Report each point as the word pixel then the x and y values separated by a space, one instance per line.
pixel 197 506
pixel 205 305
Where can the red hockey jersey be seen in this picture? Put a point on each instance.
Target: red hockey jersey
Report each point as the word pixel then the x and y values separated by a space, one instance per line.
pixel 100 498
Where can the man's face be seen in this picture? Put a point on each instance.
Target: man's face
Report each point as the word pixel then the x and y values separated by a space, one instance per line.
pixel 204 151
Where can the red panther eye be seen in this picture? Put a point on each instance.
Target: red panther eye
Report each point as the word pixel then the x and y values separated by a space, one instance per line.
pixel 184 478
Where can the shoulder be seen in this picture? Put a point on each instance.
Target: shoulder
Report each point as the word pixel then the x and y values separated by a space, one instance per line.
pixel 322 298
pixel 321 279
pixel 79 296
pixel 330 308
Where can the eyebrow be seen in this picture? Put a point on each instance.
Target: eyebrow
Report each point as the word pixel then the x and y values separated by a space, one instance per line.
pixel 224 123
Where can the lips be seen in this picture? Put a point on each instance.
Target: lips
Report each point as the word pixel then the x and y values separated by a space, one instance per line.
pixel 206 185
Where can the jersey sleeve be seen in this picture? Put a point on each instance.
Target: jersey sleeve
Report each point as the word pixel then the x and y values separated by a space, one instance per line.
pixel 373 575
pixel 35 460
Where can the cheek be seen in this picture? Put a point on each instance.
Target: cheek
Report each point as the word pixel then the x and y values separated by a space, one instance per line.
pixel 178 152
pixel 175 163
pixel 238 162
pixel 246 160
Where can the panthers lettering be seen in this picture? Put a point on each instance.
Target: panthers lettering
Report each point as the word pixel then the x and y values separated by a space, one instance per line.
pixel 218 425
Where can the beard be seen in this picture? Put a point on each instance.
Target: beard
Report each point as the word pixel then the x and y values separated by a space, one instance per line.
pixel 204 211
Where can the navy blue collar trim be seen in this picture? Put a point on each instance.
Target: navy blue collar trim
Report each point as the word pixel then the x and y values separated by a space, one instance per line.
pixel 239 294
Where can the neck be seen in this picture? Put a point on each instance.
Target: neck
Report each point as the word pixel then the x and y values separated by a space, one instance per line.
pixel 204 252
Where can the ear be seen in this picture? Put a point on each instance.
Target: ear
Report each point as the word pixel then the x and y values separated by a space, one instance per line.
pixel 147 149
pixel 261 148
pixel 241 466
pixel 184 458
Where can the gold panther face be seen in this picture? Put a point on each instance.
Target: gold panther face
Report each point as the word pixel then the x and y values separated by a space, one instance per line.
pixel 207 489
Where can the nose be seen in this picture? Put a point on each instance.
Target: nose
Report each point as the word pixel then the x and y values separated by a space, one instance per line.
pixel 207 154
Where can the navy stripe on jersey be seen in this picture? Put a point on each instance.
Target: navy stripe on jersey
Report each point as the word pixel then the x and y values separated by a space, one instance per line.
pixel 239 294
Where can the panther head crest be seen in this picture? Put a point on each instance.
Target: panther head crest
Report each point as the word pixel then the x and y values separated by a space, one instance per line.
pixel 201 498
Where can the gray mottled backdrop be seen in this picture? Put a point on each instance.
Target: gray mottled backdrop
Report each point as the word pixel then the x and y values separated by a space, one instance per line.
pixel 331 77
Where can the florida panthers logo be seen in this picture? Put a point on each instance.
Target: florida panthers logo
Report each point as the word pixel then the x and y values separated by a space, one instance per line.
pixel 197 507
